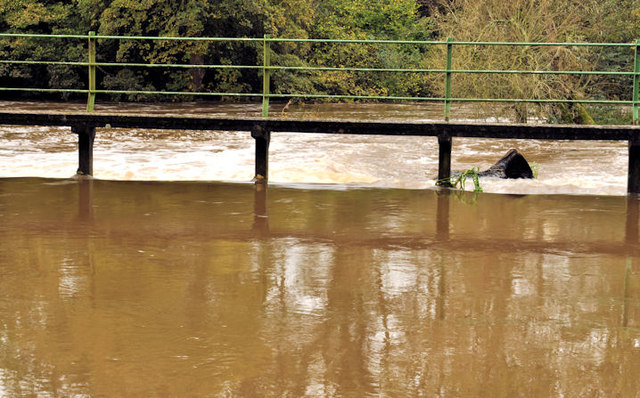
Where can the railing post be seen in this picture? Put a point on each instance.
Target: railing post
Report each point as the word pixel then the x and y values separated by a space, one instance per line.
pixel 265 76
pixel 633 182
pixel 447 79
pixel 91 100
pixel 636 81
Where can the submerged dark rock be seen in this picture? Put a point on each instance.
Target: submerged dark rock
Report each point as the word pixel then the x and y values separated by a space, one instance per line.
pixel 512 165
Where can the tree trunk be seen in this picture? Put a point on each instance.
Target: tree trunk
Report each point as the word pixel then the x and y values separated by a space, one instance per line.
pixel 197 74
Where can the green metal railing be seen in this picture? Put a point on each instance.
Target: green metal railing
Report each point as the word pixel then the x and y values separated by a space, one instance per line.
pixel 267 70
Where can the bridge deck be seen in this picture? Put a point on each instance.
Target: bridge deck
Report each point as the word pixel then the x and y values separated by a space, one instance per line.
pixel 84 124
pixel 327 126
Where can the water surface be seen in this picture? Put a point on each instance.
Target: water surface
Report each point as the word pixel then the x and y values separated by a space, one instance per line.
pixel 565 167
pixel 351 276
pixel 208 289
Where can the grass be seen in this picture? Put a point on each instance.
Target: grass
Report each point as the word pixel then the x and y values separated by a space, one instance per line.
pixel 458 181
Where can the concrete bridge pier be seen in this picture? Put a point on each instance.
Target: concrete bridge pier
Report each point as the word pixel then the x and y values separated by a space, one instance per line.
pixel 86 135
pixel 444 159
pixel 263 137
pixel 633 183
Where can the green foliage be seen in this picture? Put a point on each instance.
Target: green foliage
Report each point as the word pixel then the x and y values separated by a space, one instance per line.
pixel 459 179
pixel 374 19
pixel 40 16
pixel 615 21
pixel 539 21
pixel 127 79
pixel 21 15
pixel 535 168
pixel 491 20
pixel 610 115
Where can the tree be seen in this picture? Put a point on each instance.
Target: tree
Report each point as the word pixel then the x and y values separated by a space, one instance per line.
pixel 331 19
pixel 373 19
pixel 613 21
pixel 520 21
pixel 40 16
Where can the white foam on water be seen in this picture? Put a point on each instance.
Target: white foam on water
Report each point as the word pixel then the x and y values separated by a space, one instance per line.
pixel 565 167
pixel 211 161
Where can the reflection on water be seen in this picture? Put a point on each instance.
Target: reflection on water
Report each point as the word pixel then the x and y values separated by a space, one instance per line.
pixel 198 289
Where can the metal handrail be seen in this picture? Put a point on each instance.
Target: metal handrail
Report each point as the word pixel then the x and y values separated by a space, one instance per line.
pixel 322 68
pixel 92 90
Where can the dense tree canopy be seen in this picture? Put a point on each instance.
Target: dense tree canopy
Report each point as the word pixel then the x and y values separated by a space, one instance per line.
pixel 340 19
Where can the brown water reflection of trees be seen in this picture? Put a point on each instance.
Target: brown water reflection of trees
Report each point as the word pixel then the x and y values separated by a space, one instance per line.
pixel 167 289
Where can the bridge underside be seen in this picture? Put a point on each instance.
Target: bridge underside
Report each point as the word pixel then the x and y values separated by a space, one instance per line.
pixel 84 124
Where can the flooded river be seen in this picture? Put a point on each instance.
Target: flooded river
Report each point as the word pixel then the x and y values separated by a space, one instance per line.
pixel 201 289
pixel 564 167
pixel 350 288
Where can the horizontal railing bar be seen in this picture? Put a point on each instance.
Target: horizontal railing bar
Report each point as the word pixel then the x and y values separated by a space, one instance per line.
pixel 529 72
pixel 361 41
pixel 543 72
pixel 189 66
pixel 44 62
pixel 540 44
pixel 173 38
pixel 337 96
pixel 323 96
pixel 453 99
pixel 45 90
pixel 439 42
pixel 176 93
pixel 355 41
pixel 544 101
pixel 128 64
pixel 113 37
pixel 318 68
pixel 43 35
pixel 84 91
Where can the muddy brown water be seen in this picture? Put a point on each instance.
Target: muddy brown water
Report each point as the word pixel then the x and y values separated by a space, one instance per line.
pixel 351 276
pixel 207 289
